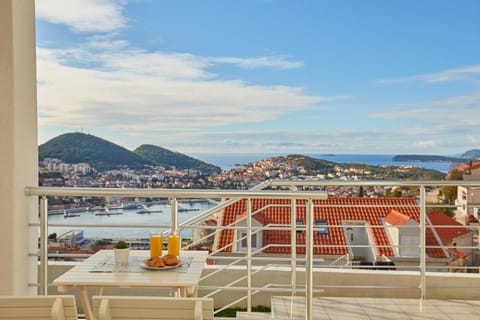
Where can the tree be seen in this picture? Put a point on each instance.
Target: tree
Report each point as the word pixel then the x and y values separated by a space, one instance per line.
pixel 360 192
pixel 450 193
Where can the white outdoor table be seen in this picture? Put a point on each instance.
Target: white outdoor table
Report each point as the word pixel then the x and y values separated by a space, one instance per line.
pixel 91 274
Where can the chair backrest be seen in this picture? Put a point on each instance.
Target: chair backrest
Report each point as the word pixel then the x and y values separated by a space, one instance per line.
pixel 138 307
pixel 38 307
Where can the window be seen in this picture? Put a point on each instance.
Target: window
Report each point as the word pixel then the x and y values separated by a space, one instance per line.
pixel 321 227
pixel 243 235
pixel 300 224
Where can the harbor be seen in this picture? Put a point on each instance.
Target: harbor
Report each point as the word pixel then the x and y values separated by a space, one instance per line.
pixel 64 220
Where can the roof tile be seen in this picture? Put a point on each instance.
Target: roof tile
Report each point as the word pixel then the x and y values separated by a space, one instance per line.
pixel 333 211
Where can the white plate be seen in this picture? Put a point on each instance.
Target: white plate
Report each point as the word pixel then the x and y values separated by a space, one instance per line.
pixel 145 266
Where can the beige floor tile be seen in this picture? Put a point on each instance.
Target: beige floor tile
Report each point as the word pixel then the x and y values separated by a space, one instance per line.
pixel 455 310
pixel 463 316
pixel 383 309
pixel 417 308
pixel 427 316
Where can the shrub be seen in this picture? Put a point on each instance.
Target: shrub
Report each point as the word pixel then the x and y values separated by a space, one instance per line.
pixel 121 245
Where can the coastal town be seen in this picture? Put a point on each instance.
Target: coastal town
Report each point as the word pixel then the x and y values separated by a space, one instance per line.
pixel 54 172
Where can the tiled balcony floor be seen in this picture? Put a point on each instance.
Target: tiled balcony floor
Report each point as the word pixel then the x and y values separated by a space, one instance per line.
pixel 373 308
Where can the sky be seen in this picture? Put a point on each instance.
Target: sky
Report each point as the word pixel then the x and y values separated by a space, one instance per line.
pixel 262 76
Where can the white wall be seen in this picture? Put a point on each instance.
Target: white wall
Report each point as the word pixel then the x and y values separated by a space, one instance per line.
pixel 237 244
pixel 358 239
pixel 461 201
pixel 409 239
pixel 18 145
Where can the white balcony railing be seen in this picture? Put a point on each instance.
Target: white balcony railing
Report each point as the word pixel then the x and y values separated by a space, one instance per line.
pixel 255 264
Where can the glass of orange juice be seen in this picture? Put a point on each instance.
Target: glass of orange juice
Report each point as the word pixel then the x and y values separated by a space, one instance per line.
pixel 155 244
pixel 173 244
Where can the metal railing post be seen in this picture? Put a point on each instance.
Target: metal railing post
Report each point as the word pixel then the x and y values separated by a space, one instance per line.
pixel 309 261
pixel 293 238
pixel 249 254
pixel 174 214
pixel 43 245
pixel 422 243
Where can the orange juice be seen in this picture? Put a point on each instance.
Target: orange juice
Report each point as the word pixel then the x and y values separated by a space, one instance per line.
pixel 155 245
pixel 173 244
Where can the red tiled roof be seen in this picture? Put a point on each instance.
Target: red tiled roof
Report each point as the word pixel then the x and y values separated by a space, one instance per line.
pixel 457 253
pixel 469 166
pixel 333 211
pixel 446 227
pixel 396 218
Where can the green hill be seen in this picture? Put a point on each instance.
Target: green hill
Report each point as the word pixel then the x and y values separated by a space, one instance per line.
pixel 309 163
pixel 80 147
pixel 165 157
pixel 314 166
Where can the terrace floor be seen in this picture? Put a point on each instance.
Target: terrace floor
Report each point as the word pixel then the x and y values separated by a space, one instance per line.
pixel 375 308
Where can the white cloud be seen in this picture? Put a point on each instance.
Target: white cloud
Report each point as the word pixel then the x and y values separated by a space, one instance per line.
pixel 458 111
pixel 426 144
pixel 342 140
pixel 106 42
pixel 138 90
pixel 83 15
pixel 275 62
pixel 468 73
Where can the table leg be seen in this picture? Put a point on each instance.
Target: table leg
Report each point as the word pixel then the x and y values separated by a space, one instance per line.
pixel 176 291
pixel 87 308
pixel 99 291
pixel 183 292
pixel 195 291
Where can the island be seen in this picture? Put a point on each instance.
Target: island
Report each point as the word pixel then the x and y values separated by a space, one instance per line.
pixel 424 158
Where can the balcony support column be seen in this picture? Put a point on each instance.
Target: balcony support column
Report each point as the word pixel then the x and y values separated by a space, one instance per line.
pixel 174 215
pixel 18 148
pixel 293 239
pixel 309 261
pixel 43 277
pixel 423 262
pixel 249 254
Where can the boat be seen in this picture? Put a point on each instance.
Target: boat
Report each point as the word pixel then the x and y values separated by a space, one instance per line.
pixel 66 214
pixel 187 209
pixel 131 205
pixel 146 210
pixel 108 213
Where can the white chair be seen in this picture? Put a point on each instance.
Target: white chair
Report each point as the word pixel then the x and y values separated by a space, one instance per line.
pixel 38 307
pixel 138 307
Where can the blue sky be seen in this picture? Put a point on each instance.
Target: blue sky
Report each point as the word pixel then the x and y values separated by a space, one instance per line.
pixel 262 76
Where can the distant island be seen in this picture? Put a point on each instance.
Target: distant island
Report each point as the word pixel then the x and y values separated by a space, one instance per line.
pixel 425 158
pixel 470 155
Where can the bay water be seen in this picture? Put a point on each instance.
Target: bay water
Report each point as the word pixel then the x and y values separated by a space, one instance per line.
pixel 160 216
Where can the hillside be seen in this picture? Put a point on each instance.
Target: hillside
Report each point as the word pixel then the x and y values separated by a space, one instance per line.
pixel 80 147
pixel 471 154
pixel 317 166
pixel 309 163
pixel 104 155
pixel 165 157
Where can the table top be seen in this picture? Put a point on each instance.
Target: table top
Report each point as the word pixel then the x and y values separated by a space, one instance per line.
pixel 88 273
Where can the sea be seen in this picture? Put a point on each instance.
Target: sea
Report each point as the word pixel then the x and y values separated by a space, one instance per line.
pixel 161 214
